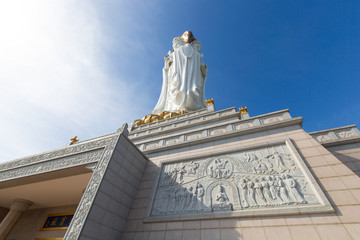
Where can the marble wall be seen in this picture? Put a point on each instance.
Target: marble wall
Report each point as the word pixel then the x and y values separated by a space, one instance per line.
pixel 340 184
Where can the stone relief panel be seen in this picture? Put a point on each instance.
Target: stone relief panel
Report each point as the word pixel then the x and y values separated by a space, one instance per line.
pixel 211 117
pixel 168 127
pixel 241 126
pixel 272 119
pixel 193 136
pixel 180 124
pixel 155 130
pixel 323 138
pixel 346 134
pixel 170 141
pixel 226 113
pixel 151 145
pixel 196 120
pixel 217 131
pixel 252 180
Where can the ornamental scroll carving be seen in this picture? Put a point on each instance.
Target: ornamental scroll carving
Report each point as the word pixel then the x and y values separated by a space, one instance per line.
pixel 77 223
pixel 254 180
pixel 64 162
pixel 64 152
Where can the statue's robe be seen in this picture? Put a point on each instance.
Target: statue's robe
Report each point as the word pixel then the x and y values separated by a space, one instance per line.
pixel 183 82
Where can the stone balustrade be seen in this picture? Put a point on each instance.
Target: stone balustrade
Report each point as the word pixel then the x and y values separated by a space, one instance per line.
pixel 223 128
pixel 335 135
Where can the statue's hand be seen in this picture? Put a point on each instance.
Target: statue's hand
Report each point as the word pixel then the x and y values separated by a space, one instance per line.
pixel 168 61
pixel 203 69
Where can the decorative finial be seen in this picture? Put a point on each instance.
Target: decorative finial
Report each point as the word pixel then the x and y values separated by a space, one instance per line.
pixel 243 110
pixel 73 140
pixel 210 102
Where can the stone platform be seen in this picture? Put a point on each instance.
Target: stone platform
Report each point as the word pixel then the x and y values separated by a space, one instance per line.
pixel 202 175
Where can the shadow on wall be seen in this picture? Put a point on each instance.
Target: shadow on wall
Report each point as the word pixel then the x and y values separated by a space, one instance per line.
pixel 351 162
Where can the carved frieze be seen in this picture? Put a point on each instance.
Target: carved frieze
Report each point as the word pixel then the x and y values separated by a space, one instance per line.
pixel 67 153
pixel 64 162
pixel 254 180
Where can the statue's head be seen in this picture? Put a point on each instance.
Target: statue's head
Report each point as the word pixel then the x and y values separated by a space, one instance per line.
pixel 188 37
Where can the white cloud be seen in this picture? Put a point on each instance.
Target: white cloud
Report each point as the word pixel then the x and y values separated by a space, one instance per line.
pixel 54 77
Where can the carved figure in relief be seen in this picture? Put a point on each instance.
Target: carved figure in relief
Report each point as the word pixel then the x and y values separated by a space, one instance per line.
pixel 221 197
pixel 266 191
pixel 222 200
pixel 212 172
pixel 259 196
pixel 282 191
pixel 273 190
pixel 293 191
pixel 219 169
pixel 261 167
pixel 250 157
pixel 243 193
pixel 192 199
pixel 200 196
pixel 251 193
pixel 191 168
pixel 173 192
pixel 279 161
pixel 181 199
pixel 179 173
pixel 188 197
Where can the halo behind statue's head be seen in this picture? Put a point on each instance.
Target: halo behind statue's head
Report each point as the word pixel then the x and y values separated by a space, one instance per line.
pixel 188 37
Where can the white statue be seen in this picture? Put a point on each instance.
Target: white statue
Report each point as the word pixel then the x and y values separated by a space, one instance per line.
pixel 184 77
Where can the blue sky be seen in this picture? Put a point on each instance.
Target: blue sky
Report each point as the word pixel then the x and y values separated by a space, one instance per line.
pixel 85 67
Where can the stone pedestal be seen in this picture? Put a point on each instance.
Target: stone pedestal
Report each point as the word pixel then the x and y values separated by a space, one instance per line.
pixel 19 206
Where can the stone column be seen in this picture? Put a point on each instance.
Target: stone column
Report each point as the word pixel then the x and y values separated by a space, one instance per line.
pixel 19 206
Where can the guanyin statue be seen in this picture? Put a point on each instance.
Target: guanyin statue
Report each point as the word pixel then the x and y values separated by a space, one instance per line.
pixel 184 76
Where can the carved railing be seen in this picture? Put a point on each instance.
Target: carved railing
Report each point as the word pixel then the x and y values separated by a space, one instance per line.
pixel 183 121
pixel 336 134
pixel 218 130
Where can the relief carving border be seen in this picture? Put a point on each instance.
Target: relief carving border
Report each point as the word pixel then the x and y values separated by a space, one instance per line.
pixel 52 165
pixel 56 154
pixel 80 216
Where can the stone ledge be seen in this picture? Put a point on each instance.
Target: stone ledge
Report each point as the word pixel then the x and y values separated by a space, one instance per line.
pixel 295 211
pixel 232 133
